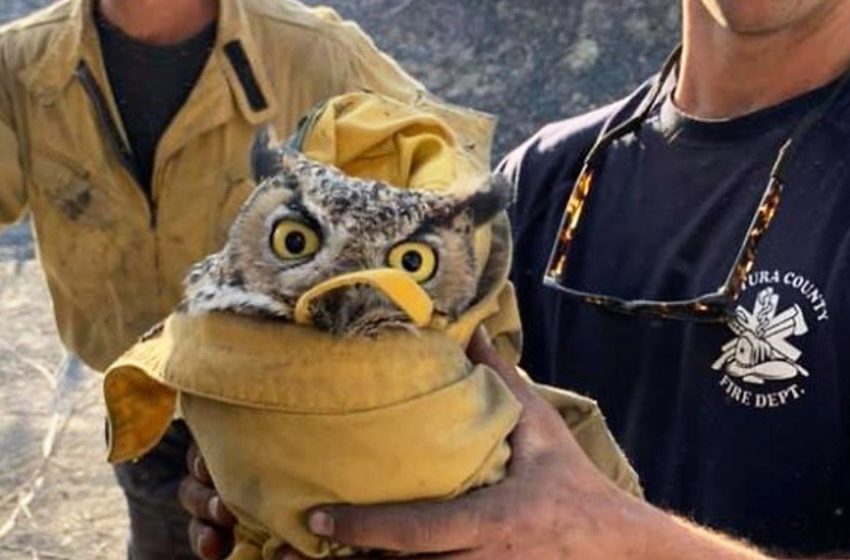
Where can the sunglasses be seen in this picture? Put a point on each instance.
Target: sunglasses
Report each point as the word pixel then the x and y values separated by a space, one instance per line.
pixel 713 306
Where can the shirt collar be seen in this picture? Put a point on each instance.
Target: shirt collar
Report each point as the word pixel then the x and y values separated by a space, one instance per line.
pixel 47 76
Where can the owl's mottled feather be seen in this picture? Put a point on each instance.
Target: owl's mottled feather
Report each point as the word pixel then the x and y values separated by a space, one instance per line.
pixel 357 222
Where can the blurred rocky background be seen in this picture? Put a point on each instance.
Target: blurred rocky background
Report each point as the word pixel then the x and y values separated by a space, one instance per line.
pixel 527 61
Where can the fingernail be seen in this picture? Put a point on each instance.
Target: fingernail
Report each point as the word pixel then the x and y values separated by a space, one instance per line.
pixel 201 546
pixel 321 523
pixel 215 509
pixel 196 465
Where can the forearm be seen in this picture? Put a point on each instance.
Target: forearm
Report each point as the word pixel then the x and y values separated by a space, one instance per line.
pixel 670 537
pixel 667 537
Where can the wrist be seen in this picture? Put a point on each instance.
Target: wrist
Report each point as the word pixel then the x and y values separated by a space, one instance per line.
pixel 618 525
pixel 636 524
pixel 663 536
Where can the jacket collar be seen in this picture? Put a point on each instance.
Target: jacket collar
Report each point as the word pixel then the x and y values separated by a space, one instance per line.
pixel 237 53
pixel 47 76
pixel 240 58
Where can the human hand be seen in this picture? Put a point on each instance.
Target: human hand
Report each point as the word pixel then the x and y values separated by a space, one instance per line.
pixel 553 504
pixel 211 526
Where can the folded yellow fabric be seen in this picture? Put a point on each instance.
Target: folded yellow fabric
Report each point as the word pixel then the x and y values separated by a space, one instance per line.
pixel 410 146
pixel 289 417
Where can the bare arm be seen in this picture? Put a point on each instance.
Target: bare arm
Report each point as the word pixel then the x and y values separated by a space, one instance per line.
pixel 677 538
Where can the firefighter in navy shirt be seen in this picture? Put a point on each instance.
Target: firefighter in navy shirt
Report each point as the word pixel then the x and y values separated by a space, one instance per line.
pixel 739 424
pixel 682 256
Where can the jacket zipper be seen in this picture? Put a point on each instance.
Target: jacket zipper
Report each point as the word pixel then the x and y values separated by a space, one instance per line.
pixel 112 133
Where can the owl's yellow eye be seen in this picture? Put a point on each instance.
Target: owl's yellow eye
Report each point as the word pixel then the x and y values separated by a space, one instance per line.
pixel 417 259
pixel 292 240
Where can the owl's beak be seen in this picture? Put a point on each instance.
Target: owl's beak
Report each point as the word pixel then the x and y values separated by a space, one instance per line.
pixel 397 286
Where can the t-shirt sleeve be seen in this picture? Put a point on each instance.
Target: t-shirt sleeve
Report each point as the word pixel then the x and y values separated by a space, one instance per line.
pixel 13 199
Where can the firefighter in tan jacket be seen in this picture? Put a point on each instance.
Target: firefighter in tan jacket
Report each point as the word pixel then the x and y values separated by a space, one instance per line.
pixel 114 247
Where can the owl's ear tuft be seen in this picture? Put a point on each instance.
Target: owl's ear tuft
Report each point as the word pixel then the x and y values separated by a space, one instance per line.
pixel 266 161
pixel 496 195
pixel 270 158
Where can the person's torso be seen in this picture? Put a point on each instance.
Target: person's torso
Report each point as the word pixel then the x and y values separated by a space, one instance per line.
pixel 150 83
pixel 744 426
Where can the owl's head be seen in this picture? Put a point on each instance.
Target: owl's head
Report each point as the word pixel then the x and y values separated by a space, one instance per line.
pixel 307 223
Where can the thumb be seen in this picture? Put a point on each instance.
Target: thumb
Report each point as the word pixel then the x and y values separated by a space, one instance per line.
pixel 540 424
pixel 481 351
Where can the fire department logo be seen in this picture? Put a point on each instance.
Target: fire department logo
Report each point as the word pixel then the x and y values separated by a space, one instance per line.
pixel 761 366
pixel 761 351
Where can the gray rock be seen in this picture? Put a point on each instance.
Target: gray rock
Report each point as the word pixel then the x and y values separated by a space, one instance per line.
pixel 16 244
pixel 10 9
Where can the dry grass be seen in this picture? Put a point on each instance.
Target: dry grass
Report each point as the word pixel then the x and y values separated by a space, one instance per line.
pixel 58 499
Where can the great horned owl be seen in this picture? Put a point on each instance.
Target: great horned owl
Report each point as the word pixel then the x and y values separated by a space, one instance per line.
pixel 307 223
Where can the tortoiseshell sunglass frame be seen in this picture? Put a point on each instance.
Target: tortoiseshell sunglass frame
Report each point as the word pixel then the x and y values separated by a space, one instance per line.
pixel 716 306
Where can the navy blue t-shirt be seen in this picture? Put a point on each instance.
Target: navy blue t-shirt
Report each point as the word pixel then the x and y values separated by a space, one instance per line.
pixel 743 427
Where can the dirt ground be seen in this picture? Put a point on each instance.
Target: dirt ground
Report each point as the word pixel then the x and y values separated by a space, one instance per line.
pixel 58 498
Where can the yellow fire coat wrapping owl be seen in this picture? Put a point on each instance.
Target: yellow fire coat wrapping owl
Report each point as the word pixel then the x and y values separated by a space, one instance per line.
pixel 289 416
